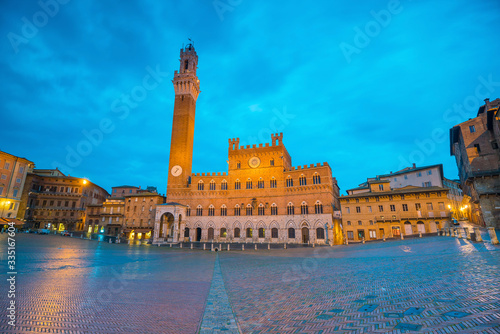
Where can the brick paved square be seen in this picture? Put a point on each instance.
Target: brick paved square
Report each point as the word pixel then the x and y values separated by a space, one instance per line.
pixel 68 285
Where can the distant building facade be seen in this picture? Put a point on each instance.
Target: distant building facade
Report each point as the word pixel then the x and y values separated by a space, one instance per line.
pixel 131 216
pixel 459 203
pixel 58 202
pixel 425 176
pixel 378 211
pixel 13 172
pixel 261 198
pixel 121 191
pixel 475 145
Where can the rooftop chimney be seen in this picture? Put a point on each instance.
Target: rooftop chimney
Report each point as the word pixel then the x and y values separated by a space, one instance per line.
pixel 414 166
pixel 487 104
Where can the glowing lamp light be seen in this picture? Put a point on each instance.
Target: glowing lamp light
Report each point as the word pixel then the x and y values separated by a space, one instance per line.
pixel 449 206
pixel 84 181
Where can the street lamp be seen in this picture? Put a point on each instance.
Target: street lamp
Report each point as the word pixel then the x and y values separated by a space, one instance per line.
pixel 5 204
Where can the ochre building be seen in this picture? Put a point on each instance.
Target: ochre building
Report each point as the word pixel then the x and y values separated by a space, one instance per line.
pixel 261 198
pixel 380 212
pixel 55 201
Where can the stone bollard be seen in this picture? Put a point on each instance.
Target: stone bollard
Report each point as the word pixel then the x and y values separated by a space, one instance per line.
pixel 81 237
pixel 467 233
pixel 109 240
pixel 255 247
pixel 363 240
pixel 402 237
pixel 242 247
pixel 203 246
pixel 191 246
pixel 314 244
pixel 228 247
pixel 493 236
pixel 158 244
pixel 220 248
pixel 383 237
pixel 478 234
pixel 460 233
pixel 170 245
pixel 212 247
pixel 420 234
pixel 180 245
pixel 284 246
pixel 71 234
pixel 268 246
pixel 456 232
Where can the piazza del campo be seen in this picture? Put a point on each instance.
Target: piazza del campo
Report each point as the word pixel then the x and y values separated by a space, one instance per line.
pixel 248 242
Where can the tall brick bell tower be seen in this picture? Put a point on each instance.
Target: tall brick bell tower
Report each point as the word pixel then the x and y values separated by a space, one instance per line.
pixel 187 88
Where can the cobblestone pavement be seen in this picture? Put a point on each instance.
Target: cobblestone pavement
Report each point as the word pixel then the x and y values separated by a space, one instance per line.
pixel 218 317
pixel 68 285
pixel 432 285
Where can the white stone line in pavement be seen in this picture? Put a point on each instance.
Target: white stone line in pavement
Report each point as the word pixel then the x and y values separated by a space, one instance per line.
pixel 218 316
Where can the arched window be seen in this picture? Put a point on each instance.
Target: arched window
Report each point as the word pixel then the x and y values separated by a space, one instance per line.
pixel 274 209
pixel 237 232
pixel 223 210
pixel 223 185
pixel 262 233
pixel 318 208
pixel 289 181
pixel 290 210
pixel 211 210
pixel 274 233
pixel 302 180
pixel 199 210
pixel 320 233
pixel 237 211
pixel 186 232
pixel 273 183
pixel 260 184
pixel 186 64
pixel 223 232
pixel 201 185
pixel 237 184
pixel 304 209
pixel 261 209
pixel 249 232
pixel 188 211
pixel 316 179
pixel 212 185
pixel 271 162
pixel 249 184
pixel 210 233
pixel 291 233
pixel 238 165
pixel 249 210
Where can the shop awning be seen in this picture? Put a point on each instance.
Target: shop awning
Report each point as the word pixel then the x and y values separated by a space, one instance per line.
pixel 17 222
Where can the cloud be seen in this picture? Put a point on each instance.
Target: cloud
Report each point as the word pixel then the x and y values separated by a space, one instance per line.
pixel 262 57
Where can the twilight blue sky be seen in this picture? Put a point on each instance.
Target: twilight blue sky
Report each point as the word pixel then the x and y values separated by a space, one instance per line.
pixel 366 97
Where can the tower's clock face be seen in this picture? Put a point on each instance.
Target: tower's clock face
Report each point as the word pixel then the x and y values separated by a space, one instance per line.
pixel 254 162
pixel 176 170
